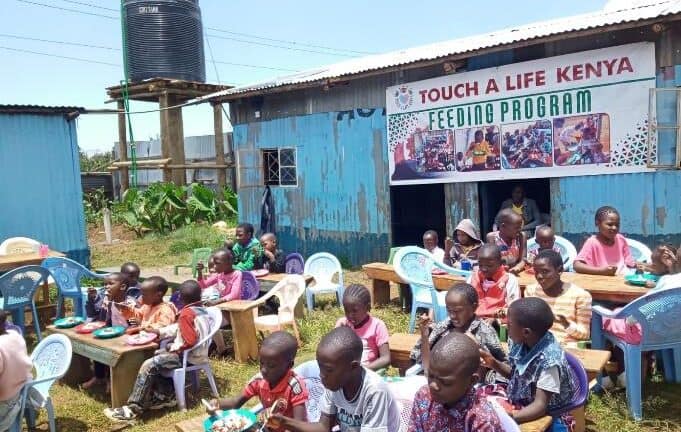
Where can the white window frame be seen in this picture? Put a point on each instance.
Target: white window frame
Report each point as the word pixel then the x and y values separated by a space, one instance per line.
pixel 266 168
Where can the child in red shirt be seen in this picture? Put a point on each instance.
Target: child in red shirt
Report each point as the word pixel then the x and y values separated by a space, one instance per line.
pixel 276 381
pixel 496 287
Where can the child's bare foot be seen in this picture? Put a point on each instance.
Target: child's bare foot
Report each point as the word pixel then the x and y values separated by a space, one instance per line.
pixel 87 385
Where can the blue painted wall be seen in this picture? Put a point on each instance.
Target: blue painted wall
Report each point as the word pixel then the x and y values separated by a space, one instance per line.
pixel 41 194
pixel 342 202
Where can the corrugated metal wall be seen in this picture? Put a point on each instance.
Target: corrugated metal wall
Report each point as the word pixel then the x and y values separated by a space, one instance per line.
pixel 41 191
pixel 341 204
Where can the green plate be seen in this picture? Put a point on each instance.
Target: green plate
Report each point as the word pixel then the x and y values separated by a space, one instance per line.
pixel 68 322
pixel 109 332
pixel 248 417
pixel 640 279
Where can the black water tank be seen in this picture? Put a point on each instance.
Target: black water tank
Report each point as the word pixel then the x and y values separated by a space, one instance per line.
pixel 165 40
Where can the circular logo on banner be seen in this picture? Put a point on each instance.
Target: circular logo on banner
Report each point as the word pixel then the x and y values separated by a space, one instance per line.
pixel 404 97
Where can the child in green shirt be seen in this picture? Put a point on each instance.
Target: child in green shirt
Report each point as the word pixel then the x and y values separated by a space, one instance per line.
pixel 246 249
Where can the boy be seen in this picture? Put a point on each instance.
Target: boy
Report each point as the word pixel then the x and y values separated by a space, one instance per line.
pixel 193 324
pixel 246 249
pixel 132 272
pixel 154 312
pixel 479 149
pixel 450 402
pixel 355 397
pixel 276 380
pixel 496 287
pixel 272 259
pixel 545 240
pixel 430 240
pixel 540 379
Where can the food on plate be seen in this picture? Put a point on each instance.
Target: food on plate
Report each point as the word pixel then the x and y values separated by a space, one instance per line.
pixel 231 423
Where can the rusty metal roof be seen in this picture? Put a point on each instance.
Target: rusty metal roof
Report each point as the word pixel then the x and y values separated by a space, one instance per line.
pixel 39 109
pixel 631 11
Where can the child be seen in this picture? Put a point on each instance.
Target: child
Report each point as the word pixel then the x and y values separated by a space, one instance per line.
pixel 15 371
pixel 657 266
pixel 607 252
pixel 461 302
pixel 276 380
pixel 272 259
pixel 430 241
pixel 465 247
pixel 132 272
pixel 571 305
pixel 450 401
pixel 545 239
pixel 154 312
pixel 496 288
pixel 479 149
pixel 193 324
pixel 226 280
pixel 511 240
pixel 540 379
pixel 356 398
pixel 246 249
pixel 371 330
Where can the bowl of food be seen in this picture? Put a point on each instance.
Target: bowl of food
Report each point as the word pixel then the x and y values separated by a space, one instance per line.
pixel 86 328
pixel 141 338
pixel 640 279
pixel 230 421
pixel 68 322
pixel 109 332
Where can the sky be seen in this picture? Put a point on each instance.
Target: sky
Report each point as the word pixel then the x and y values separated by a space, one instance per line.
pixel 35 72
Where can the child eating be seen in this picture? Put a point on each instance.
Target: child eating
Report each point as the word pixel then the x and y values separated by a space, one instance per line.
pixel 465 247
pixel 246 249
pixel 607 252
pixel 132 273
pixel 540 379
pixel 355 399
pixel 272 259
pixel 154 312
pixel 545 239
pixel 430 240
pixel 510 240
pixel 450 402
pixel 276 381
pixel 226 280
pixel 461 302
pixel 496 287
pixel 371 330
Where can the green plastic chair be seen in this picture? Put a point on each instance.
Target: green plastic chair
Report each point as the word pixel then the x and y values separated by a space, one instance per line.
pixel 198 255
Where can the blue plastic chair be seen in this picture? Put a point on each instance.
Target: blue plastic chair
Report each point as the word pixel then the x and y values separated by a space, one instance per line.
pixel 68 274
pixel 250 287
pixel 322 267
pixel 567 250
pixel 639 251
pixel 294 263
pixel 51 359
pixel 658 314
pixel 18 288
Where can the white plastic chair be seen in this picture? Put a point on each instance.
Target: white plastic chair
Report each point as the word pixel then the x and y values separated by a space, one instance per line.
pixel 179 374
pixel 322 267
pixel 18 245
pixel 51 359
pixel 567 250
pixel 288 291
pixel 639 251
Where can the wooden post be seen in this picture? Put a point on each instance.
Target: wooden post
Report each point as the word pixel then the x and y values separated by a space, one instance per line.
pixel 106 213
pixel 219 144
pixel 122 148
pixel 172 138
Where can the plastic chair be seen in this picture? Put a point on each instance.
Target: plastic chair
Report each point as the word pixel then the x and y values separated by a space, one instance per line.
pixel 405 413
pixel 391 256
pixel 288 291
pixel 567 250
pixel 179 375
pixel 639 251
pixel 198 255
pixel 322 267
pixel 19 245
pixel 250 287
pixel 658 314
pixel 414 265
pixel 294 263
pixel 67 275
pixel 581 393
pixel 18 288
pixel 51 359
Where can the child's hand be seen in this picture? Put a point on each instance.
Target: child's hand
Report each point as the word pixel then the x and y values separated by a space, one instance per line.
pixel 269 255
pixel 449 244
pixel 424 324
pixel 650 284
pixel 487 359
pixel 610 271
pixel 212 406
pixel 200 267
pixel 560 319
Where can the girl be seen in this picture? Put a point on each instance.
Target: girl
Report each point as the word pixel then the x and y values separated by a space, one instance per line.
pixel 465 247
pixel 607 252
pixel 510 240
pixel 372 331
pixel 15 370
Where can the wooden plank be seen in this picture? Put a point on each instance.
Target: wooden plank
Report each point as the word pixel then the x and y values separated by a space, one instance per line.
pixel 243 329
pixel 192 425
pixel 12 261
pixel 539 425
pixel 198 165
pixel 155 163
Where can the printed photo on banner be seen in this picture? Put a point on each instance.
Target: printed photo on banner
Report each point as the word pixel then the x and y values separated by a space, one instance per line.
pixel 527 145
pixel 582 140
pixel 434 151
pixel 477 149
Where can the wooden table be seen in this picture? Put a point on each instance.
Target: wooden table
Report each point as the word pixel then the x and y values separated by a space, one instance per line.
pixel 602 288
pixel 12 261
pixel 243 329
pixel 123 360
pixel 539 425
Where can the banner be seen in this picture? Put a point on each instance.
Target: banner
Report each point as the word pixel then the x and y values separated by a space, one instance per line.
pixel 578 114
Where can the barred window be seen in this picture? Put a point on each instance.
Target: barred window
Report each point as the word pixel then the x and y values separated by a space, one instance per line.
pixel 280 167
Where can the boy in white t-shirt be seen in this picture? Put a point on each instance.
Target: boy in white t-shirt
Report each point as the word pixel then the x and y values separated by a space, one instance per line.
pixel 356 398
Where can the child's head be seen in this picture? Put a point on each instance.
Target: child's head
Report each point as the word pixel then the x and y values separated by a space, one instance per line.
pixel 356 303
pixel 223 260
pixel 657 264
pixel 478 136
pixel 466 233
pixel 510 223
pixel 277 353
pixel 459 156
pixel 3 321
pixel 544 237
pixel 116 284
pixel 454 365
pixel 461 302
pixel 244 233
pixel 132 272
pixel 190 292
pixel 153 289
pixel 339 356
pixel 489 260
pixel 430 240
pixel 548 266
pixel 607 222
pixel 529 319
pixel 269 242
